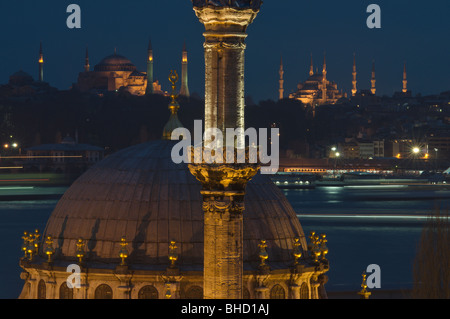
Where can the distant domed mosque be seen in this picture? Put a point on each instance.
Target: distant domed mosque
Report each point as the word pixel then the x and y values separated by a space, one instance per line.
pixel 139 226
pixel 116 72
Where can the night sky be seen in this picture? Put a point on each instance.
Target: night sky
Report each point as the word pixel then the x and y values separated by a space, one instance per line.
pixel 415 32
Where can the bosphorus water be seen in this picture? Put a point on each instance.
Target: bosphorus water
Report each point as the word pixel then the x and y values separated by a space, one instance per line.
pixel 364 225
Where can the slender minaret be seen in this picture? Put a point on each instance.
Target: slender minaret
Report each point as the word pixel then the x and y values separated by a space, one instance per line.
pixel 354 82
pixel 86 62
pixel 324 80
pixel 224 184
pixel 149 89
pixel 184 90
pixel 281 90
pixel 405 80
pixel 373 80
pixel 41 65
pixel 311 68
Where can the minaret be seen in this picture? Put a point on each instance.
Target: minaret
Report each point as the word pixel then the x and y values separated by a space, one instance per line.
pixel 184 90
pixel 281 90
pixel 224 184
pixel 149 89
pixel 324 80
pixel 354 82
pixel 311 68
pixel 86 62
pixel 405 80
pixel 41 65
pixel 373 80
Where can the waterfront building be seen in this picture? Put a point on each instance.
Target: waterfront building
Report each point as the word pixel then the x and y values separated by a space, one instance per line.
pixel 65 157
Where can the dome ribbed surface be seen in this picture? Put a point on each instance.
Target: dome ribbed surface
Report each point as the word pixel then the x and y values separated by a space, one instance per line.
pixel 141 194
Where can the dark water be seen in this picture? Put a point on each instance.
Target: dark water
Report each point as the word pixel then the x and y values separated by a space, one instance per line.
pixel 368 225
pixel 354 219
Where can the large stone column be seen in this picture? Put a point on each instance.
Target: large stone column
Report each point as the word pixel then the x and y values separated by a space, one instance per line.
pixel 224 184
pixel 225 62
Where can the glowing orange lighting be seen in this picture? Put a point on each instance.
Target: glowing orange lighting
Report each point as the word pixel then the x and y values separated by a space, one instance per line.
pixel 41 60
pixel 6 146
pixel 427 156
pixel 399 156
pixel 150 58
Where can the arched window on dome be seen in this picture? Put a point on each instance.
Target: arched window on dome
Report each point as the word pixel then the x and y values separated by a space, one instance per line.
pixel 103 292
pixel 277 292
pixel 148 292
pixel 42 290
pixel 304 291
pixel 194 292
pixel 65 292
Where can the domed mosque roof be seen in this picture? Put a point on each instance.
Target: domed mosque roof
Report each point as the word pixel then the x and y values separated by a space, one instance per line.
pixel 139 193
pixel 115 62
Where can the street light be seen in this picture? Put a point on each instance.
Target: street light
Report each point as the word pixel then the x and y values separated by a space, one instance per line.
pixel 416 150
pixel 15 145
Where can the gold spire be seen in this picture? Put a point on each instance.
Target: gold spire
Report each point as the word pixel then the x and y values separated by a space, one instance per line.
pixel 80 250
pixel 297 250
pixel 123 253
pixel 263 255
pixel 25 243
pixel 49 251
pixel 174 122
pixel 364 293
pixel 173 256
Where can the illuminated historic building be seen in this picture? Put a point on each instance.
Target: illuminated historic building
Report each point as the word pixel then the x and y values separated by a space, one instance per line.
pixel 143 227
pixel 113 73
pixel 116 72
pixel 317 89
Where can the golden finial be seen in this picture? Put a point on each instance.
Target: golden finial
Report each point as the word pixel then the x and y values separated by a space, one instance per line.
pixel 30 246
pixel 49 251
pixel 364 293
pixel 316 248
pixel 263 255
pixel 168 291
pixel 323 246
pixel 123 253
pixel 297 250
pixel 36 241
pixel 174 122
pixel 173 78
pixel 80 250
pixel 173 256
pixel 25 243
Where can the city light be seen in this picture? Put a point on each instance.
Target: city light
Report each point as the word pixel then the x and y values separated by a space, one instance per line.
pixel 416 150
pixel 6 146
pixel 15 145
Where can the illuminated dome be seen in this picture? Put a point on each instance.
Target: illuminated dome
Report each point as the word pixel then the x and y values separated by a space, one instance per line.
pixel 141 194
pixel 115 62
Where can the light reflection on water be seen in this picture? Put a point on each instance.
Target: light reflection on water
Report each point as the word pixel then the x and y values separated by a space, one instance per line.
pixel 359 235
pixel 354 242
